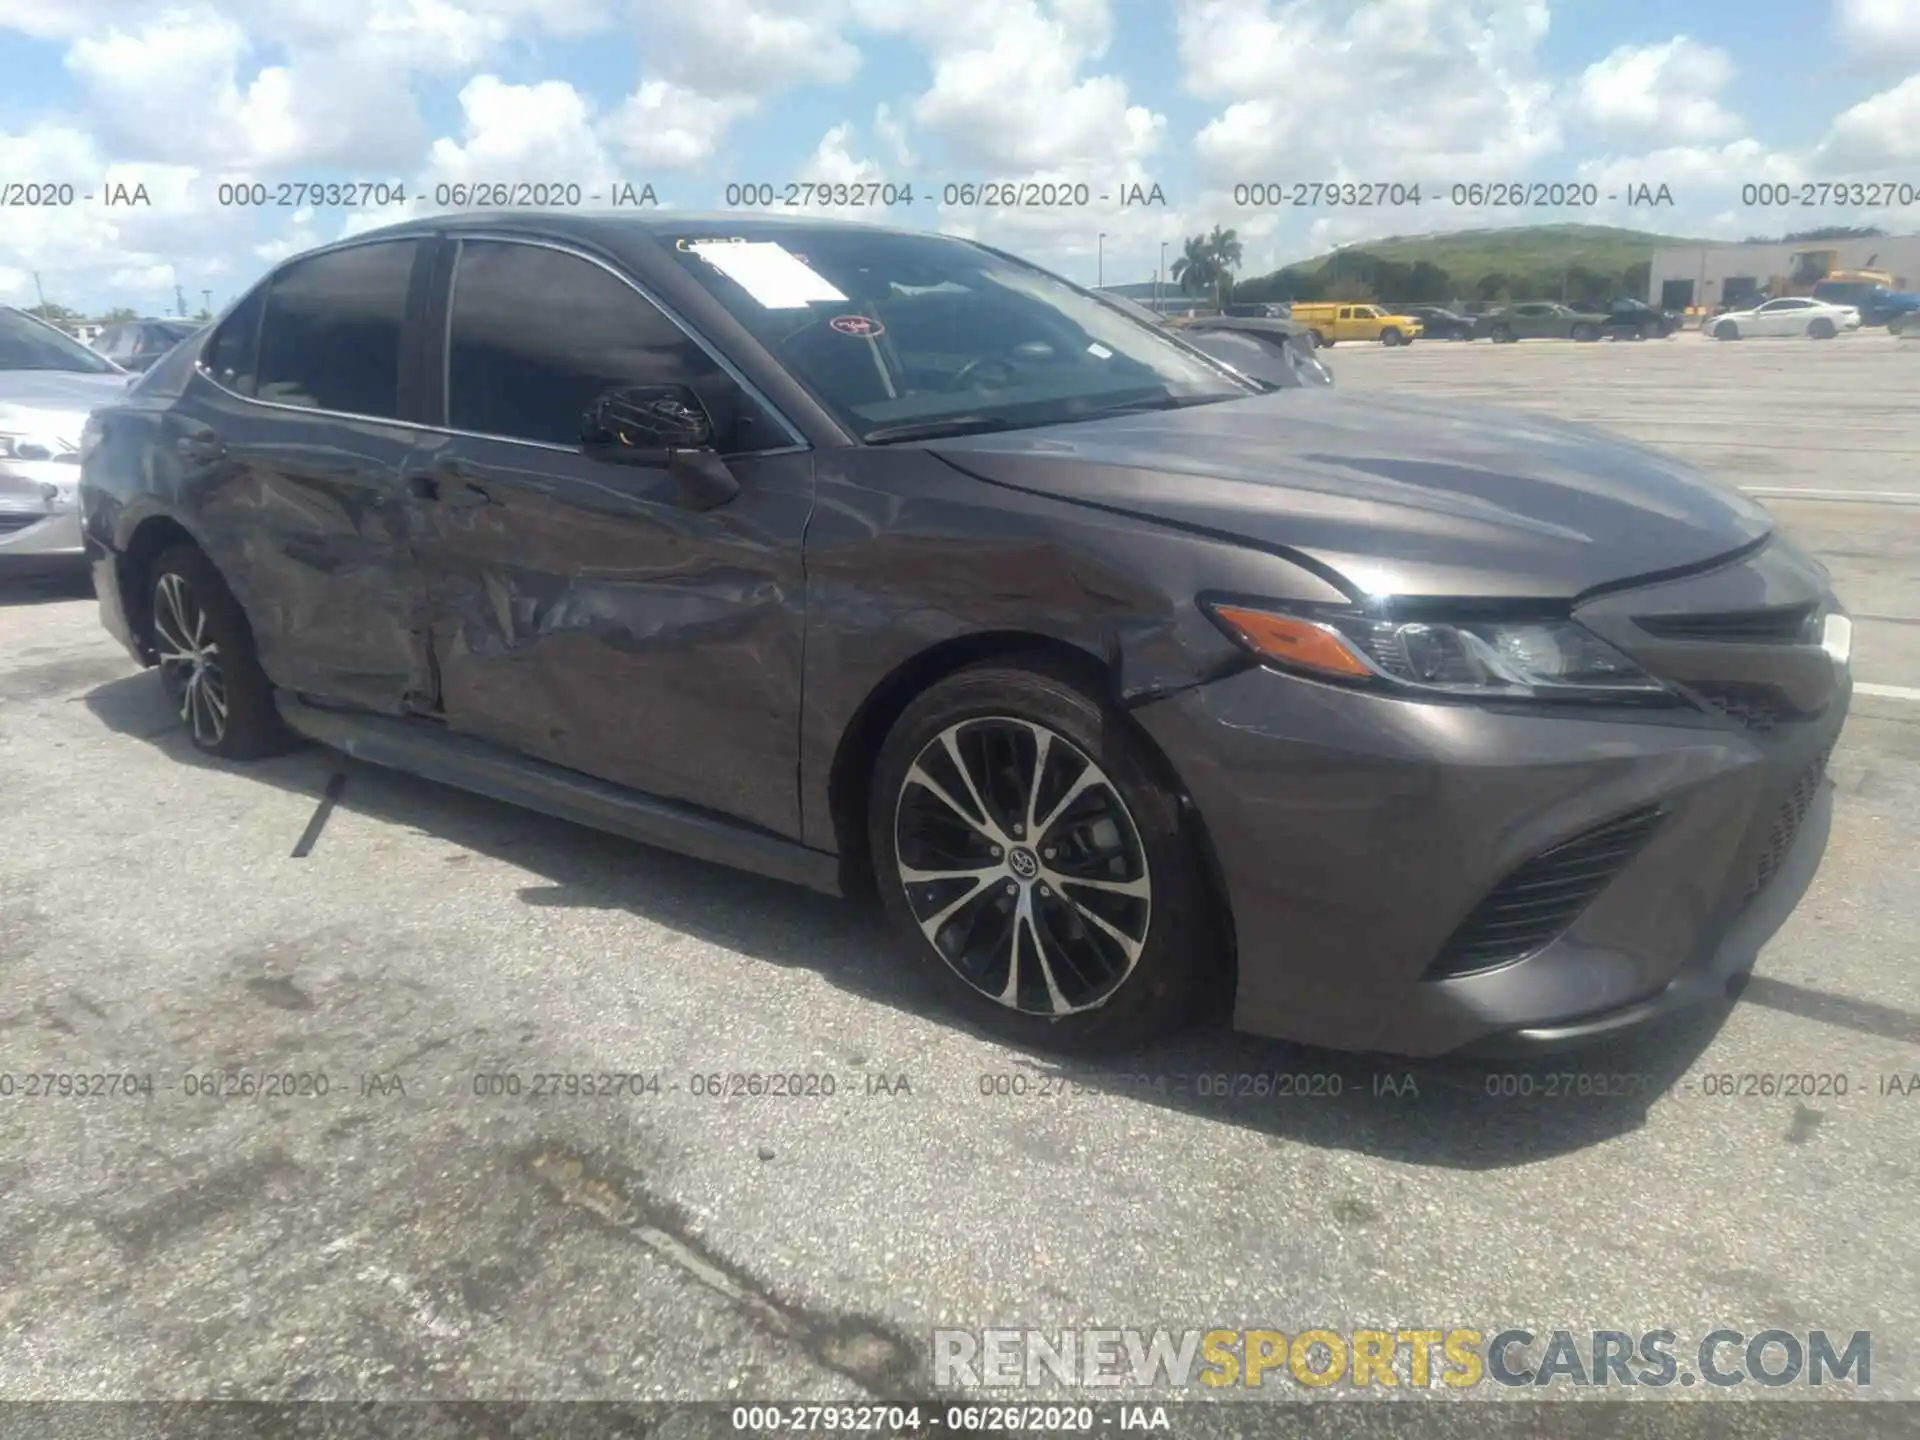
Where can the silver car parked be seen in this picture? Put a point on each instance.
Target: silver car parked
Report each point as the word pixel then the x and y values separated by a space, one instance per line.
pixel 49 382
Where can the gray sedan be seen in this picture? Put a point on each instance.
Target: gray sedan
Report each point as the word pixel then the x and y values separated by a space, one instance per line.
pixel 874 559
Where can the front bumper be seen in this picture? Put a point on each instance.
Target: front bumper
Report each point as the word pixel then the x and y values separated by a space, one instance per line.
pixel 1355 831
pixel 31 524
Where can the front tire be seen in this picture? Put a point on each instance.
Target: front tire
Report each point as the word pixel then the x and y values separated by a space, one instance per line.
pixel 1391 337
pixel 1726 330
pixel 1586 334
pixel 1502 335
pixel 1821 329
pixel 208 668
pixel 1034 865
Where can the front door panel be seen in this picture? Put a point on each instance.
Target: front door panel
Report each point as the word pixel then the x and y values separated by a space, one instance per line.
pixel 581 616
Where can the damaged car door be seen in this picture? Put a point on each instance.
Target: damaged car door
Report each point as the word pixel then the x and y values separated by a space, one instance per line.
pixel 610 536
pixel 289 452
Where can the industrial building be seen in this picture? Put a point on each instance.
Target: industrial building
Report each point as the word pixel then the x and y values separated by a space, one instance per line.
pixel 1709 277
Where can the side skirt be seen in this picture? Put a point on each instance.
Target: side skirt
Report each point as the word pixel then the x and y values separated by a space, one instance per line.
pixel 434 754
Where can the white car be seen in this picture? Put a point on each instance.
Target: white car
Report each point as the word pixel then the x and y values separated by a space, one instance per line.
pixel 48 383
pixel 1792 315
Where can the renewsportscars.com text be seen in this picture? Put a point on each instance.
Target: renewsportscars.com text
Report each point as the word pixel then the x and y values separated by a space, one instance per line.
pixel 1453 1357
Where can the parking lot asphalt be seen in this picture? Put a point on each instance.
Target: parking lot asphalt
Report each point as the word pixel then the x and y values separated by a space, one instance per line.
pixel 408 1234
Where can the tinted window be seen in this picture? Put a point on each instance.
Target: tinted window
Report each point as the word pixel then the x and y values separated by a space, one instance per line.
pixel 331 340
pixel 232 356
pixel 537 336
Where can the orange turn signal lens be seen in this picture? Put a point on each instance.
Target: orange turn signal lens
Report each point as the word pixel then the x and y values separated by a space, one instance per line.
pixel 1293 641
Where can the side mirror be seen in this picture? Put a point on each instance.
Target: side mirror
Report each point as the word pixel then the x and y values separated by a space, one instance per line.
pixel 661 426
pixel 638 424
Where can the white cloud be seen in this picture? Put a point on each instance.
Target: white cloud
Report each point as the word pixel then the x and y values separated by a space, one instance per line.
pixel 747 47
pixel 540 132
pixel 1881 131
pixel 1428 91
pixel 707 66
pixel 137 250
pixel 893 134
pixel 1882 30
pixel 286 84
pixel 1008 95
pixel 1668 91
pixel 668 126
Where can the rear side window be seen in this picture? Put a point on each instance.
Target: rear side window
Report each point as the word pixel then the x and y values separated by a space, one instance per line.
pixel 331 337
pixel 232 355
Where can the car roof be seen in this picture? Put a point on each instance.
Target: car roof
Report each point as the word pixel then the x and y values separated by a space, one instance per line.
pixel 606 227
pixel 632 237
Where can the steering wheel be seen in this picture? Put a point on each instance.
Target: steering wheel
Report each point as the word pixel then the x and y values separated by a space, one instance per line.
pixel 978 364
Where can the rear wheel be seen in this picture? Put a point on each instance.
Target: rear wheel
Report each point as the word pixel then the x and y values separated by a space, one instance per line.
pixel 1321 342
pixel 1502 334
pixel 207 663
pixel 1586 333
pixel 1033 864
pixel 1821 329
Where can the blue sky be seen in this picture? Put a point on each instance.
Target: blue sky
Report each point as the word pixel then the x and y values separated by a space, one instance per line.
pixel 1196 96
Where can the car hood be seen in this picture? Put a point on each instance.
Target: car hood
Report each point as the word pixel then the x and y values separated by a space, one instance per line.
pixel 54 403
pixel 1398 496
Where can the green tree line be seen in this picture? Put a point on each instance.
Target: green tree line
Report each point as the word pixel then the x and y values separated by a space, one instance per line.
pixel 1207 264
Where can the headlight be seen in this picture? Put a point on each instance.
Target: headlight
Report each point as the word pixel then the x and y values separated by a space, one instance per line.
pixel 1521 659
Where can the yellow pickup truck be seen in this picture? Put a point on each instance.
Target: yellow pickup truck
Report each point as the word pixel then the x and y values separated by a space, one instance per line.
pixel 1331 323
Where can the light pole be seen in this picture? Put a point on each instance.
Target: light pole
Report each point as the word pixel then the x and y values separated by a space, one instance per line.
pixel 1100 263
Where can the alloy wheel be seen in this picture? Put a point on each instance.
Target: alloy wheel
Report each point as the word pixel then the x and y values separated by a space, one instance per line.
pixel 1023 866
pixel 189 659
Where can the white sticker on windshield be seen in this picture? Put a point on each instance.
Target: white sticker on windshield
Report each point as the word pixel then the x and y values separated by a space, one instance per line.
pixel 768 272
pixel 1099 351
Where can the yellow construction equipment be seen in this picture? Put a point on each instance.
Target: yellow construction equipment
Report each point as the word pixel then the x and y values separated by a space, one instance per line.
pixel 1808 268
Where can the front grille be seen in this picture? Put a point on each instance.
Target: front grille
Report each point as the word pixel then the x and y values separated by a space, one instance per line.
pixel 11 523
pixel 1778 625
pixel 1537 902
pixel 1787 821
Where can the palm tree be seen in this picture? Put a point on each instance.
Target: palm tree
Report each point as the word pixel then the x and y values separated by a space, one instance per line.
pixel 1224 246
pixel 1196 268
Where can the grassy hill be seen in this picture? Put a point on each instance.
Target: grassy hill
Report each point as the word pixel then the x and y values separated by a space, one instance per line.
pixel 1515 262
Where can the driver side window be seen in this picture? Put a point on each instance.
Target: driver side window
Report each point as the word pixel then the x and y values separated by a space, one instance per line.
pixel 537 335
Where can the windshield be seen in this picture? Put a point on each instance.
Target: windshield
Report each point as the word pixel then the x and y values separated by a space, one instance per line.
pixel 902 334
pixel 26 344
